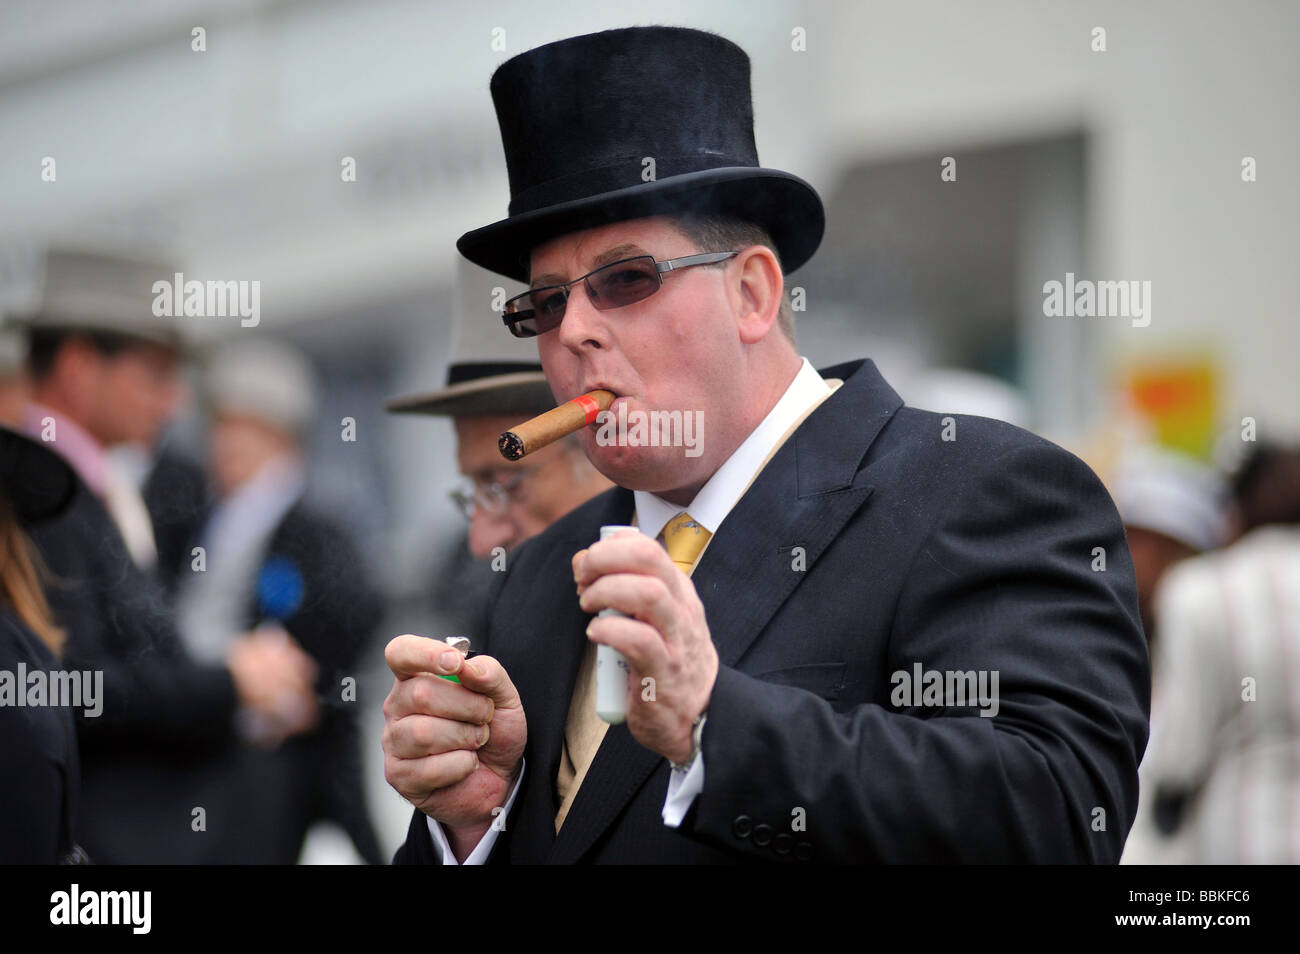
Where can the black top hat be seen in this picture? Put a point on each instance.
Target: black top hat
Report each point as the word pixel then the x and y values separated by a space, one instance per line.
pixel 579 116
pixel 37 482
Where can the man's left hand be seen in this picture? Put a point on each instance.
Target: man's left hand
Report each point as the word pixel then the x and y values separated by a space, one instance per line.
pixel 663 636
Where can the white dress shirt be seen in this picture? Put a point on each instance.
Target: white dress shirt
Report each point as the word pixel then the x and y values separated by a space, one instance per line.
pixel 709 508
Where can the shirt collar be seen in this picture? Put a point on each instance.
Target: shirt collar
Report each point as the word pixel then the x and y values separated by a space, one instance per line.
pixel 274 487
pixel 73 443
pixel 257 506
pixel 716 498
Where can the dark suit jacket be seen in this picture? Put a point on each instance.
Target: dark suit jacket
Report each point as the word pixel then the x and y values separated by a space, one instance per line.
pixel 163 713
pixel 176 494
pixel 268 799
pixel 970 554
pixel 38 749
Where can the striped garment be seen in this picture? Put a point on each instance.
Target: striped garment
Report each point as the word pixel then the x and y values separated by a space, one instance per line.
pixel 1226 701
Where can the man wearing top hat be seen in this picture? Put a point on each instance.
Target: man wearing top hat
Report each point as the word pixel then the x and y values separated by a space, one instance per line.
pixel 789 581
pixel 104 371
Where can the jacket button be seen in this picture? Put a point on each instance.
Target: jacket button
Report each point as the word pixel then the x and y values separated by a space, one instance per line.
pixel 803 850
pixel 762 835
pixel 742 826
pixel 782 843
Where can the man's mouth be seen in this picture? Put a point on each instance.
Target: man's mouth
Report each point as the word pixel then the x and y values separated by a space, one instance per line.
pixel 613 407
pixel 613 410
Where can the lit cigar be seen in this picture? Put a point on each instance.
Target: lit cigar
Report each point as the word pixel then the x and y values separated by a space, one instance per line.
pixel 556 423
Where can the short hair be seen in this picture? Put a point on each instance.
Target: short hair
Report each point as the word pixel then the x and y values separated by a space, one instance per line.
pixel 723 233
pixel 1264 486
pixel 43 346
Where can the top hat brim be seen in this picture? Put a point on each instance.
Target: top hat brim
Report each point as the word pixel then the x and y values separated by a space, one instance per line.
pixel 37 482
pixel 785 206
pixel 524 393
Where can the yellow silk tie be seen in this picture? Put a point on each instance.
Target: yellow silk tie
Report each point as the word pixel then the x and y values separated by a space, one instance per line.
pixel 583 729
pixel 684 539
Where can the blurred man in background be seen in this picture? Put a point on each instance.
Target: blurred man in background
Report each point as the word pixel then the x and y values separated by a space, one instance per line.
pixel 273 562
pixel 506 502
pixel 1224 768
pixel 104 372
pixel 1173 509
pixel 493 383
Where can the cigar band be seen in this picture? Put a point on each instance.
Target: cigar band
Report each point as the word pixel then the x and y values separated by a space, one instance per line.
pixel 588 405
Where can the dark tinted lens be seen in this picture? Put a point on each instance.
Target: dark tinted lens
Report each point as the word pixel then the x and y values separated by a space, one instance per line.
pixel 549 304
pixel 548 308
pixel 532 313
pixel 519 316
pixel 623 283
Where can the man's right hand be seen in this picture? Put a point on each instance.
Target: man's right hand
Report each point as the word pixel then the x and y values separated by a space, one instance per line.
pixel 453 751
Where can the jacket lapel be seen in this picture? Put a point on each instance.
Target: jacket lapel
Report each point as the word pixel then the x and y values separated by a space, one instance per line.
pixel 803 498
pixel 545 672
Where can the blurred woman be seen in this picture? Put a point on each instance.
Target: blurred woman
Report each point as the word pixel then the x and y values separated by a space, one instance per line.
pixel 38 747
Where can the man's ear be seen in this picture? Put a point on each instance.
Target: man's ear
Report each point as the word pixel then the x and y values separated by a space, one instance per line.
pixel 756 292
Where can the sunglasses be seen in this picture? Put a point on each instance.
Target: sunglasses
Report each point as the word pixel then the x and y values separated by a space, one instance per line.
pixel 620 283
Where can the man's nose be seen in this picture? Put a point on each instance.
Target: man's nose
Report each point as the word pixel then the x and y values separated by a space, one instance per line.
pixel 583 324
pixel 487 531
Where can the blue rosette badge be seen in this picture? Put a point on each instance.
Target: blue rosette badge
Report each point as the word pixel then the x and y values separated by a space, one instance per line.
pixel 279 589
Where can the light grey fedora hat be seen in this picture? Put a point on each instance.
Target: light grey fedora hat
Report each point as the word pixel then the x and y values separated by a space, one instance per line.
pixel 265 379
pixel 104 291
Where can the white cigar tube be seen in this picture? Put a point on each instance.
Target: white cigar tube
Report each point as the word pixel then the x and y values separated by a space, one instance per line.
pixel 611 667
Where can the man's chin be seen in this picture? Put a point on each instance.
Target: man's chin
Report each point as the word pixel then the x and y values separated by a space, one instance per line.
pixel 655 469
